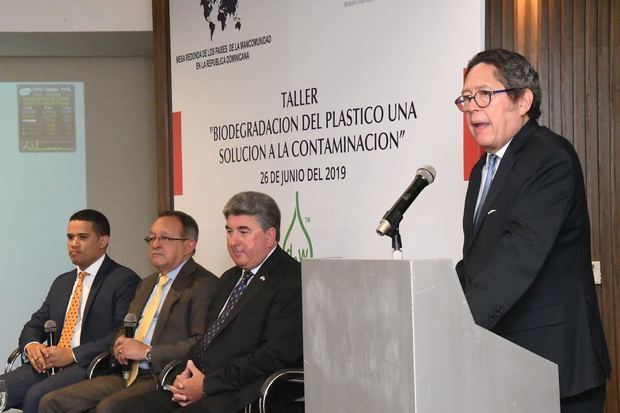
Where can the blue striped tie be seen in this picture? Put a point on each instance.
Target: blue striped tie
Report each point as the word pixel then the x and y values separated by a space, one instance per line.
pixel 491 162
pixel 234 297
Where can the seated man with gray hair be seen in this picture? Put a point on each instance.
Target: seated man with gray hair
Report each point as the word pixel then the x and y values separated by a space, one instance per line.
pixel 254 326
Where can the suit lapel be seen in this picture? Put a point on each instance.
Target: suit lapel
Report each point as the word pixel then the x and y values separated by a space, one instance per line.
pixel 226 286
pixel 143 294
pixel 255 286
pixel 471 198
pixel 259 281
pixel 503 172
pixel 99 278
pixel 67 290
pixel 64 298
pixel 174 294
pixel 501 176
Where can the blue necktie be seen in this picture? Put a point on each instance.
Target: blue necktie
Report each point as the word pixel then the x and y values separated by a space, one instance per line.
pixel 491 162
pixel 223 316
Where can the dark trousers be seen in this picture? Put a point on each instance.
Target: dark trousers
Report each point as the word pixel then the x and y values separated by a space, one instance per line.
pixel 101 394
pixel 26 387
pixel 589 401
pixel 160 402
pixel 157 401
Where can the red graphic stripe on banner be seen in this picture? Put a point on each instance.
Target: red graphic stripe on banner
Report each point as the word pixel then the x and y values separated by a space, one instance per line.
pixel 471 150
pixel 177 154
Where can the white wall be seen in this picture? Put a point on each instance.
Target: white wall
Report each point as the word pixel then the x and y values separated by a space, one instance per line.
pixel 75 15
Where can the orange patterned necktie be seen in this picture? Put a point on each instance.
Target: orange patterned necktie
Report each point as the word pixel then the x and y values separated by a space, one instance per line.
pixel 72 314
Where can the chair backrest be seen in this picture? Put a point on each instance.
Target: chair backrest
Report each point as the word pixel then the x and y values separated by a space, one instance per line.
pixel 102 364
pixel 10 361
pixel 283 387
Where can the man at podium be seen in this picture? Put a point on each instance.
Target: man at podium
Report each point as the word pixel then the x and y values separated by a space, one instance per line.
pixel 526 269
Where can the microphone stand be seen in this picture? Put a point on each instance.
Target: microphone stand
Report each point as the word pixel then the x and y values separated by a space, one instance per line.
pixel 397 244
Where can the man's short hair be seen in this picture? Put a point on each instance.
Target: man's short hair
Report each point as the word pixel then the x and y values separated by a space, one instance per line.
pixel 190 226
pixel 100 223
pixel 256 204
pixel 514 72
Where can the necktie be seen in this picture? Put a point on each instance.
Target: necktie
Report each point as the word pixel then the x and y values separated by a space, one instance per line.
pixel 72 313
pixel 491 162
pixel 219 322
pixel 147 318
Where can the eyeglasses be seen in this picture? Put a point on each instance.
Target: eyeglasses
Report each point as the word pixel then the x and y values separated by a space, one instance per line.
pixel 162 239
pixel 481 97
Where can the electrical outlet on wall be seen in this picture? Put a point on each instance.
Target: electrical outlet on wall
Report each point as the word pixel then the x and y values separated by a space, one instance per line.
pixel 596 269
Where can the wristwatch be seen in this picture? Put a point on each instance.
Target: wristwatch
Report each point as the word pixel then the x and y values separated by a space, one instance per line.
pixel 148 356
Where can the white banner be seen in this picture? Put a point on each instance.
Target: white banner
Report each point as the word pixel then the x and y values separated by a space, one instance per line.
pixel 329 106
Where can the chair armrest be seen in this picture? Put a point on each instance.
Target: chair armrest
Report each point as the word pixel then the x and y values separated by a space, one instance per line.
pixel 10 361
pixel 282 378
pixel 102 364
pixel 169 373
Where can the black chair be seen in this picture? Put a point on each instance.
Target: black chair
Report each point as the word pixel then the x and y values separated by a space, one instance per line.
pixel 103 363
pixel 169 373
pixel 12 359
pixel 287 381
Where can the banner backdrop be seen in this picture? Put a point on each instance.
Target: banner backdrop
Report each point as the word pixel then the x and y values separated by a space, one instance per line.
pixel 329 106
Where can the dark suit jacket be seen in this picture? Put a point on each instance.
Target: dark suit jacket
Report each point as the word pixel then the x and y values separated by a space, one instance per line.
pixel 526 269
pixel 182 317
pixel 263 334
pixel 107 303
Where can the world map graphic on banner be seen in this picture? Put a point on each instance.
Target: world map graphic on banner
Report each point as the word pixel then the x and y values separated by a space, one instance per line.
pixel 220 11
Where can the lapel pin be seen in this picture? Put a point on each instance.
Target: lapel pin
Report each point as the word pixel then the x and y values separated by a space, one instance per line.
pixel 262 278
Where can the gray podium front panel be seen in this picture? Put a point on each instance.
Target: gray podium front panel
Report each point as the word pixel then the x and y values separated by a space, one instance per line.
pixel 397 336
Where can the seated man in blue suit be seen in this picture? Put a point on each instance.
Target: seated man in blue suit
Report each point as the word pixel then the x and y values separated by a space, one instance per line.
pixel 87 303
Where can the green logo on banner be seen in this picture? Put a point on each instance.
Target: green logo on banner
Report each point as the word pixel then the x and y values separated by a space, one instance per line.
pixel 297 242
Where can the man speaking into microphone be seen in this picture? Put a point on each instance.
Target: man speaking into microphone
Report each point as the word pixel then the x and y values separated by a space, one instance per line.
pixel 170 307
pixel 526 269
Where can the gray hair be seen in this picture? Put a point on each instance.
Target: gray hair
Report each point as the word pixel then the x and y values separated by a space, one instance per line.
pixel 258 205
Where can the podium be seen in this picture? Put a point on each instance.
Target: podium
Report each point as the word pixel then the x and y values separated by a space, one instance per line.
pixel 396 336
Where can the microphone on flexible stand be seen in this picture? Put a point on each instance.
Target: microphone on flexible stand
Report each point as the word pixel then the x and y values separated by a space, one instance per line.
pixel 130 321
pixel 424 177
pixel 50 329
pixel 391 220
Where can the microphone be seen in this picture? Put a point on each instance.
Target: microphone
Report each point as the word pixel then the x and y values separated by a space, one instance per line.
pixel 130 321
pixel 50 329
pixel 423 177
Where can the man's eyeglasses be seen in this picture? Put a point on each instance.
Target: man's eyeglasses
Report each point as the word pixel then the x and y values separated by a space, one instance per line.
pixel 481 97
pixel 162 239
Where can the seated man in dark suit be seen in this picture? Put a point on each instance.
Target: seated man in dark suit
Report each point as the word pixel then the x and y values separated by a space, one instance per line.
pixel 88 305
pixel 171 305
pixel 254 324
